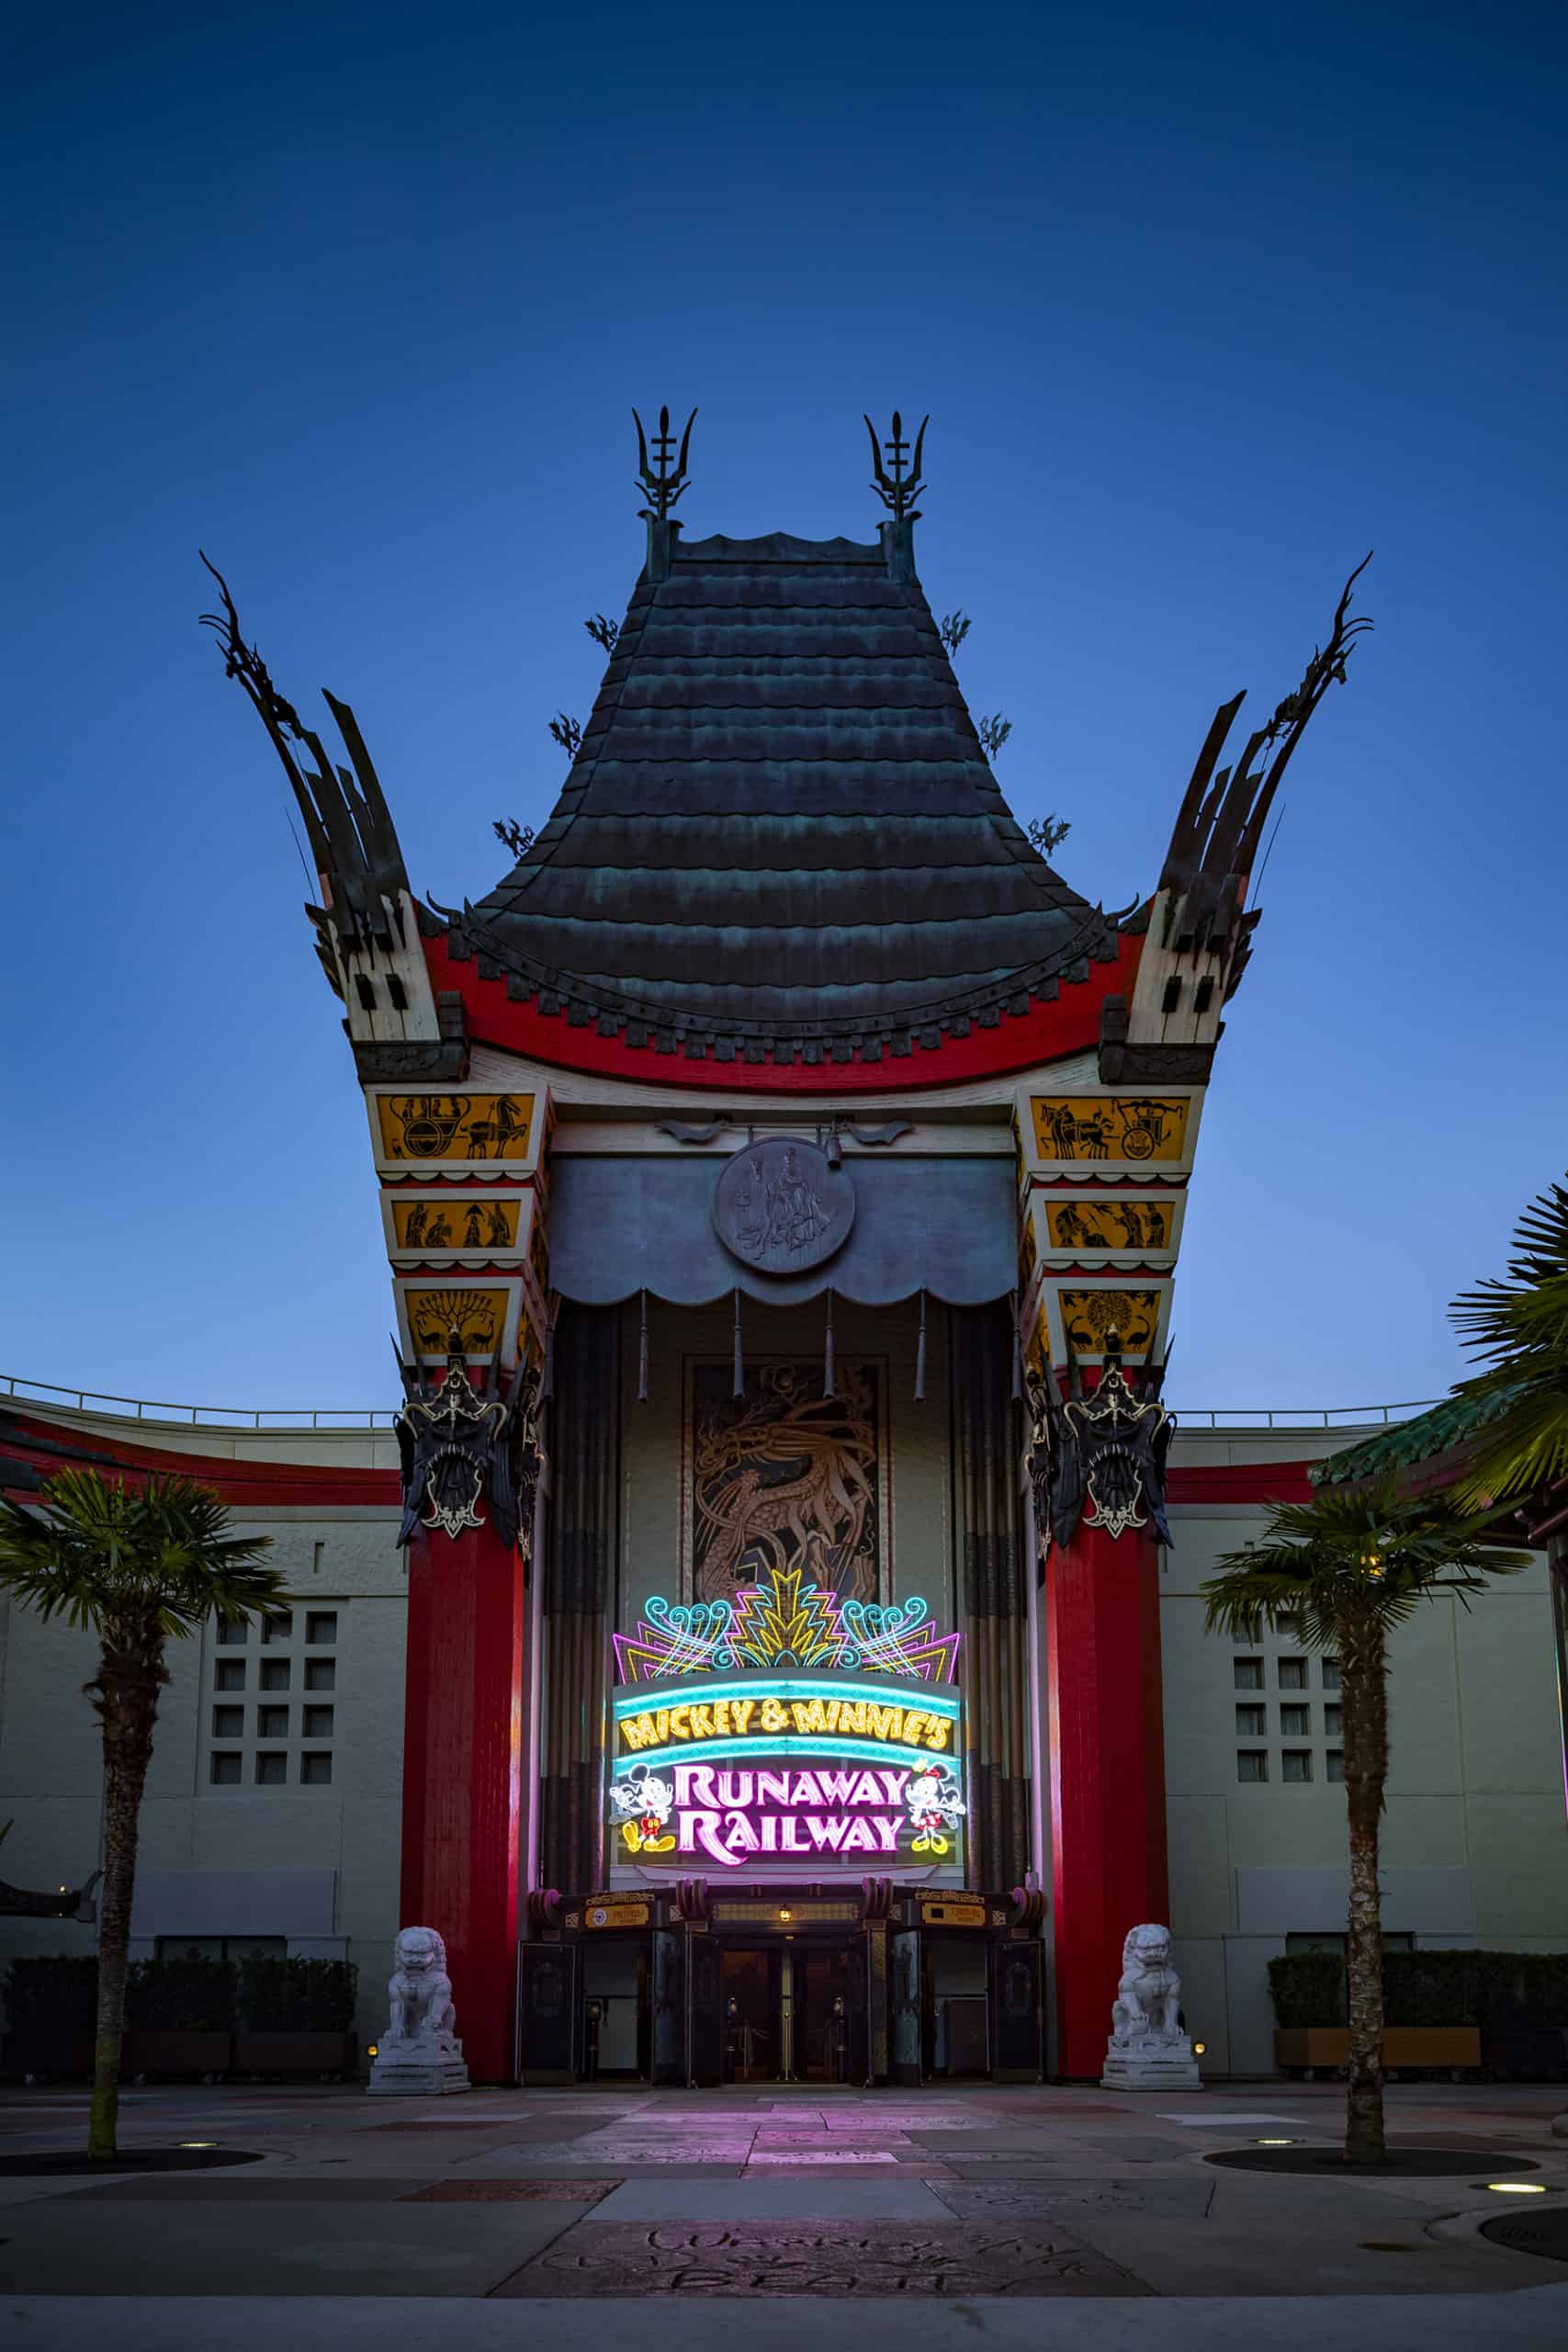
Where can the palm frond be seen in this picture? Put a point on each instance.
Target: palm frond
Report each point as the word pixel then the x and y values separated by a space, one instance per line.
pixel 1524 1449
pixel 1530 1311
pixel 95 1548
pixel 1364 1553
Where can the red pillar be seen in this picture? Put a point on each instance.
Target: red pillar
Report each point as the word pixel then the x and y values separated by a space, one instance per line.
pixel 462 1776
pixel 1107 1730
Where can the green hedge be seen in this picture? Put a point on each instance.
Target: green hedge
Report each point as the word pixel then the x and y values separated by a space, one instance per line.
pixel 1501 1992
pixel 179 1996
pixel 53 2000
pixel 50 1999
pixel 297 1995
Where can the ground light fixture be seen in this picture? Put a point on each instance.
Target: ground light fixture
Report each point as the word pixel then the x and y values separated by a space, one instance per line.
pixel 372 2050
pixel 1515 2187
pixel 1200 2050
pixel 198 2144
pixel 1273 2143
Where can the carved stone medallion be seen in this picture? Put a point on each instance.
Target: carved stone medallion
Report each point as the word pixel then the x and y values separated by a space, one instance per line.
pixel 781 1206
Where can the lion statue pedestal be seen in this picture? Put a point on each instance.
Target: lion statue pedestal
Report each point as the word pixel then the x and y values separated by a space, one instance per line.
pixel 1148 2050
pixel 419 2053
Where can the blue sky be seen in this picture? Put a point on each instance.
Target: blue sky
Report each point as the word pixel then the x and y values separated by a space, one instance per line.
pixel 1203 301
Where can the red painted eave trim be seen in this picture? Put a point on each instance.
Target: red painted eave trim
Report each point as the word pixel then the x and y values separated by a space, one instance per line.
pixel 1240 1482
pixel 1068 1024
pixel 306 1484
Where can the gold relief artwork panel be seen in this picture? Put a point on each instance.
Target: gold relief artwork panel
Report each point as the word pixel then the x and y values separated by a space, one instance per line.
pixel 456 1225
pixel 783 1477
pixel 478 1315
pixel 455 1127
pixel 1109 1225
pixel 1089 1316
pixel 1099 1126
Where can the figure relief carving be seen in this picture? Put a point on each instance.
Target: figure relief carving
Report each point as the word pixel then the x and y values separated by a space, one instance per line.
pixel 783 1206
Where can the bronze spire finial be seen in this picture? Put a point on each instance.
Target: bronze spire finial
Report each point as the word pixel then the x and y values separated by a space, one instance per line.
pixel 898 488
pixel 661 485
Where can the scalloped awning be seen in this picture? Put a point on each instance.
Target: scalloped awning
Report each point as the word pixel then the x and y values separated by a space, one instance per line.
pixel 620 1223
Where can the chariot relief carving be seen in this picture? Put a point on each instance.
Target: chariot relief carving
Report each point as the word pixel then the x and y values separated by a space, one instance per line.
pixel 1097 1127
pixel 455 1127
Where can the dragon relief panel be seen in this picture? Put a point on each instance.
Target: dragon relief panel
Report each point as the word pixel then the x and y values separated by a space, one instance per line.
pixel 783 1477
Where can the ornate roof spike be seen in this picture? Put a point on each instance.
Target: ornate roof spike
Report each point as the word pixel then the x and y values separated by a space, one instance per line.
pixel 352 841
pixel 662 487
pixel 1219 829
pixel 897 489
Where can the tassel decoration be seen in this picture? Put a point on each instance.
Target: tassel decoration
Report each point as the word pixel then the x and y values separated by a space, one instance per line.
pixel 828 1389
pixel 921 1356
pixel 1017 1351
pixel 642 1350
pixel 739 1386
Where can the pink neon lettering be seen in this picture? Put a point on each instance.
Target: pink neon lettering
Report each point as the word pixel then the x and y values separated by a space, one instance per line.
pixel 894 1784
pixel 829 1832
pixel 789 1842
pixel 886 1827
pixel 694 1784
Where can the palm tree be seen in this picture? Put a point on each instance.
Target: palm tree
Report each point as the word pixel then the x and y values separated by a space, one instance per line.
pixel 1338 1574
pixel 134 1564
pixel 1519 1330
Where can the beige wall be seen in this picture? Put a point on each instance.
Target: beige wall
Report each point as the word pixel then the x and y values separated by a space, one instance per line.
pixel 318 1865
pixel 1474 1846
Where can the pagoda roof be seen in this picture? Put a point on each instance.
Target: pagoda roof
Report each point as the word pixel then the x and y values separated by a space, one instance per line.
pixel 780 831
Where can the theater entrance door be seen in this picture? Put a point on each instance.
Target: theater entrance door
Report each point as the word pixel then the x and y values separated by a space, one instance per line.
pixel 753 1984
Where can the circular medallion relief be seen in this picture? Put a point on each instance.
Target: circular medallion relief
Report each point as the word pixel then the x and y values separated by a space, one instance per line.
pixel 780 1207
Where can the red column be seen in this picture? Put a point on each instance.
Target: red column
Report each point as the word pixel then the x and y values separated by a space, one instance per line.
pixel 1107 1731
pixel 462 1776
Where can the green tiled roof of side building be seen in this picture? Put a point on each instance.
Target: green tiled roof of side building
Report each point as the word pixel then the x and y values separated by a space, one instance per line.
pixel 1442 1429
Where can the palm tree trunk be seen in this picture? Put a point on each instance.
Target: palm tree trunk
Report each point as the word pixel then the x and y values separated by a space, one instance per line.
pixel 1363 1677
pixel 126 1695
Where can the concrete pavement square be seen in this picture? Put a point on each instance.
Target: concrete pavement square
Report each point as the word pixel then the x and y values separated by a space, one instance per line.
pixel 753 2199
pixel 262 2249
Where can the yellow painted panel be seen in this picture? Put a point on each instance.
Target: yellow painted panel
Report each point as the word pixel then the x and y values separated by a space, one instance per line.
pixel 1109 1225
pixel 1089 1316
pixel 479 1314
pixel 1116 1126
pixel 436 1223
pixel 455 1127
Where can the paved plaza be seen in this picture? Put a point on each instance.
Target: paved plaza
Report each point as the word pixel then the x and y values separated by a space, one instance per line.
pixel 1051 2218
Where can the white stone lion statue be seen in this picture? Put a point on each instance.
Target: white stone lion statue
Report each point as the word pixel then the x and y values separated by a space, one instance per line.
pixel 420 1991
pixel 1148 1999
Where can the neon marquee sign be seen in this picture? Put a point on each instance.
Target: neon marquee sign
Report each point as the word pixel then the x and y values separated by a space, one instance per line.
pixel 785 1732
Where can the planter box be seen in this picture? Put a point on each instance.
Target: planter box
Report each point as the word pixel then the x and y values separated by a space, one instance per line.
pixel 155 2053
pixel 296 2054
pixel 1403 2045
pixel 71 2055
